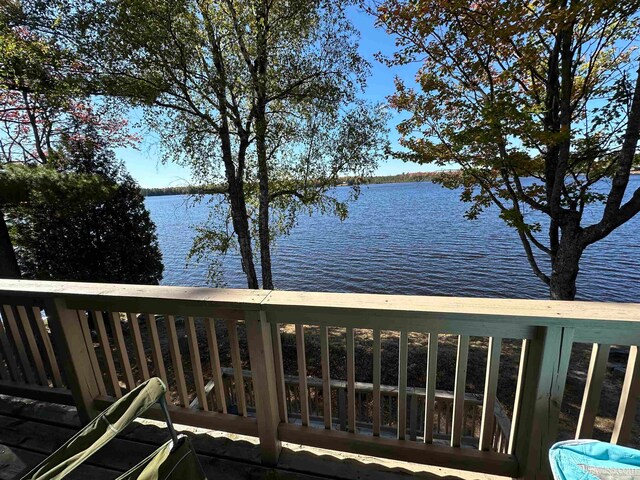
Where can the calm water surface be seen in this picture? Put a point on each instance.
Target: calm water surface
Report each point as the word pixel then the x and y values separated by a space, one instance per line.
pixel 408 238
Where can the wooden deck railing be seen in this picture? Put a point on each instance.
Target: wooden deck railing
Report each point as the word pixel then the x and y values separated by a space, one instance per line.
pixel 416 398
pixel 108 338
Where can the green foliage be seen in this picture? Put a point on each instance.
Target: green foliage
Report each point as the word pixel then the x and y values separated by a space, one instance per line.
pixel 218 78
pixel 21 183
pixel 74 213
pixel 82 218
pixel 213 239
pixel 35 63
pixel 46 90
pixel 536 103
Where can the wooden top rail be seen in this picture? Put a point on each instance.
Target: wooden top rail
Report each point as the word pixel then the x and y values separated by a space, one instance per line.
pixel 537 312
pixel 612 323
pixel 470 316
pixel 139 298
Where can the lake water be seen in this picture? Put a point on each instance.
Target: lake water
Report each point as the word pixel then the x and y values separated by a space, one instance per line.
pixel 406 238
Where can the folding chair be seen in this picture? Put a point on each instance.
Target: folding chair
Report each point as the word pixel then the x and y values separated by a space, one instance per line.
pixel 174 460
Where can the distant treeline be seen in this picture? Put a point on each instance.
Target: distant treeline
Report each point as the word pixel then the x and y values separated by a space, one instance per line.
pixel 403 178
pixel 182 190
pixel 199 189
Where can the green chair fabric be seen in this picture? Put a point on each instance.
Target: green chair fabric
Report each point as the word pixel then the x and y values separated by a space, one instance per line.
pixel 168 463
pixel 110 423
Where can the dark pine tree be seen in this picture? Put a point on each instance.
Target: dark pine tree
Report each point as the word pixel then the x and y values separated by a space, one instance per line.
pixel 101 237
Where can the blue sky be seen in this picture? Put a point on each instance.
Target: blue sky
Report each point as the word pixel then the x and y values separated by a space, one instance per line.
pixel 143 163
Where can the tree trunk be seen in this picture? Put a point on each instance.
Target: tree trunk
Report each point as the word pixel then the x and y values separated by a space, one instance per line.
pixel 263 213
pixel 261 146
pixel 8 262
pixel 235 189
pixel 565 268
pixel 240 220
pixel 263 226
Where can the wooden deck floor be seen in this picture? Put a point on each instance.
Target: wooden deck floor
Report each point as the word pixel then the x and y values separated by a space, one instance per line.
pixel 31 430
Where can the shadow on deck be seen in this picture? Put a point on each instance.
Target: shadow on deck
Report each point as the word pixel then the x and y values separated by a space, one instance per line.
pixel 31 430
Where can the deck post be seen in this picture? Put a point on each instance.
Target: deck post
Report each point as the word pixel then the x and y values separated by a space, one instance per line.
pixel 542 392
pixel 263 374
pixel 70 341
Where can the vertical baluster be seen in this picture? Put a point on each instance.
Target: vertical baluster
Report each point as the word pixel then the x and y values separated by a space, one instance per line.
pixel 430 387
pixel 123 355
pixel 227 390
pixel 342 409
pixel 459 390
pixel 156 351
pixel 377 350
pixel 8 351
pixel 517 404
pixel 474 418
pixel 413 416
pixel 112 374
pixel 287 397
pixel 313 402
pixel 326 376
pixel 592 390
pixel 357 405
pixel 19 345
pixel 351 381
pixel 421 416
pixel 4 370
pixel 247 390
pixel 276 342
pixel 490 389
pixel 214 357
pixel 93 358
pixel 383 409
pixel 176 360
pixel 138 346
pixel 226 382
pixel 196 366
pixel 402 385
pixel 5 354
pixel 236 361
pixel 628 399
pixel 48 347
pixel 303 390
pixel 392 410
pixel 33 346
